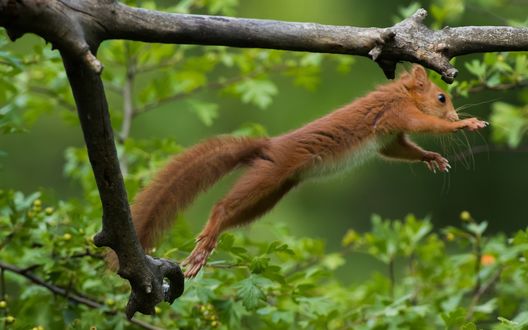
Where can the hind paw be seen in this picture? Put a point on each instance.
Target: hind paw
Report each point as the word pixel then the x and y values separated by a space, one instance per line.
pixel 198 257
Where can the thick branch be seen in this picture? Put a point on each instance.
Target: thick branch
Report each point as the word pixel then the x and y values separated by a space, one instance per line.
pixel 146 275
pixel 409 40
pixel 73 26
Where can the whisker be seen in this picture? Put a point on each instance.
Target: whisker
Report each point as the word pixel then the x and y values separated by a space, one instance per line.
pixel 469 148
pixel 485 142
pixel 463 115
pixel 461 156
pixel 471 105
pixel 446 184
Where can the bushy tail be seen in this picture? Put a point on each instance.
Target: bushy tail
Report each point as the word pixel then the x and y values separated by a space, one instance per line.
pixel 186 175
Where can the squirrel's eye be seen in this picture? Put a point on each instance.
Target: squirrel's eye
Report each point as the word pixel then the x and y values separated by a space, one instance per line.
pixel 441 98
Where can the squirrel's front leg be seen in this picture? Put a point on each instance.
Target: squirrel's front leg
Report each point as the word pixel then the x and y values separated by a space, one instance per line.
pixel 412 120
pixel 402 148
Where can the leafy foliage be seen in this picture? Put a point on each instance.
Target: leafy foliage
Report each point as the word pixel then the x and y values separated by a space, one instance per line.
pixel 457 277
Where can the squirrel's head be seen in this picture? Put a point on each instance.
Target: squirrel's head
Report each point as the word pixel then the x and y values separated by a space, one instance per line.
pixel 427 96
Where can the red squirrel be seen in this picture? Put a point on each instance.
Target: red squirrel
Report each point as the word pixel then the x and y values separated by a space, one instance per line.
pixel 376 123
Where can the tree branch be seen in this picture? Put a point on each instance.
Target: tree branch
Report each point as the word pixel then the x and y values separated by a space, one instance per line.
pixel 409 40
pixel 75 297
pixel 145 274
pixel 93 21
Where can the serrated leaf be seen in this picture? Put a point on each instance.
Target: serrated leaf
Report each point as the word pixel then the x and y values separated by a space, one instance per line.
pixel 250 292
pixel 259 264
pixel 257 92
pixel 207 112
pixel 477 68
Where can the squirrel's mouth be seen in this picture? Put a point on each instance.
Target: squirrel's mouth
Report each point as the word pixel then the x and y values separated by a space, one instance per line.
pixel 452 116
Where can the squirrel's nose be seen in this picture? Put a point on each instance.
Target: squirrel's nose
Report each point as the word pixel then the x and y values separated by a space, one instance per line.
pixel 453 116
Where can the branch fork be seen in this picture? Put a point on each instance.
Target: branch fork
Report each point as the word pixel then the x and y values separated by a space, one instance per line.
pixel 154 290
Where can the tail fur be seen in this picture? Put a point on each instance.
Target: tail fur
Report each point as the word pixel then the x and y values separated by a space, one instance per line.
pixel 187 174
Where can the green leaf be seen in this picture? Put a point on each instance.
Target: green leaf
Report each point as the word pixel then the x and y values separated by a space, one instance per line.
pixel 477 68
pixel 521 64
pixel 469 326
pixel 250 292
pixel 257 91
pixel 509 123
pixel 224 7
pixel 206 112
pixel 477 228
pixel 455 318
pixel 251 130
pixel 333 261
pixel 406 11
pixel 259 264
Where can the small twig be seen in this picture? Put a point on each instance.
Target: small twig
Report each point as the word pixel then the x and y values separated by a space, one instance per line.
pixel 66 293
pixel 225 266
pixel 128 98
pixel 478 256
pixel 209 86
pixel 3 295
pixel 30 268
pixel 178 96
pixel 392 277
pixel 113 88
pixel 155 67
pixel 53 288
pixel 2 284
pixel 412 273
pixel 128 104
pixel 479 293
pixel 54 96
pixel 499 87
pixel 87 253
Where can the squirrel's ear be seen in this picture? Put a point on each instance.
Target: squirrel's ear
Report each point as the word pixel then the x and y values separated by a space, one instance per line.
pixel 407 80
pixel 421 81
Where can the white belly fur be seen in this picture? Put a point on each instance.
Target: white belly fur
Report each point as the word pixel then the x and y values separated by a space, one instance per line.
pixel 355 157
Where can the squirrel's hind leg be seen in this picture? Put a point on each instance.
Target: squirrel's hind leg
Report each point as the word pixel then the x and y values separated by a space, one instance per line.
pixel 255 193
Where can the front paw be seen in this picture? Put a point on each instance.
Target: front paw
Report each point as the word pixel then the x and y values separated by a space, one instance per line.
pixel 434 161
pixel 471 124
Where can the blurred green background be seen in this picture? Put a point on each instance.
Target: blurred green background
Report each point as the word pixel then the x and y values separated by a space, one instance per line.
pixel 492 184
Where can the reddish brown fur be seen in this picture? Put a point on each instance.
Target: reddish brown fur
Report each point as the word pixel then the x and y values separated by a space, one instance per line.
pixel 276 165
pixel 186 175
